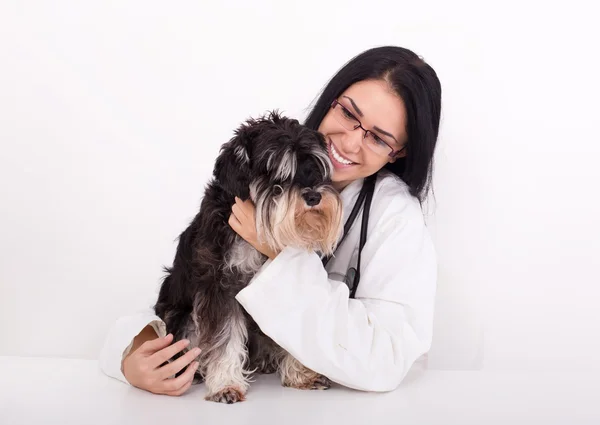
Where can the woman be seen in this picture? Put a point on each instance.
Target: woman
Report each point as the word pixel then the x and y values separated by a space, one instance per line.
pixel 380 116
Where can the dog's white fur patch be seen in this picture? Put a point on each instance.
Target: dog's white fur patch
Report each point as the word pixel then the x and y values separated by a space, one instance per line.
pixel 287 166
pixel 194 330
pixel 241 153
pixel 224 364
pixel 324 161
pixel 244 257
pixel 254 189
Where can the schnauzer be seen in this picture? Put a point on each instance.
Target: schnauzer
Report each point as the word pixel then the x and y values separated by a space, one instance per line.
pixel 284 168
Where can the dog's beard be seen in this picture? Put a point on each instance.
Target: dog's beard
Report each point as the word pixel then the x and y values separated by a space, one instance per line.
pixel 318 226
pixel 286 220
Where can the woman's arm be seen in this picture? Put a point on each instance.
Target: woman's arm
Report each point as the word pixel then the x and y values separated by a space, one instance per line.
pixel 368 343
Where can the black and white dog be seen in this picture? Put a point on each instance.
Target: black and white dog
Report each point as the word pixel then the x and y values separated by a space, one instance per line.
pixel 283 167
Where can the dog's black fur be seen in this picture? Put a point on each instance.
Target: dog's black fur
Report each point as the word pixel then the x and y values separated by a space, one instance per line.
pixel 198 293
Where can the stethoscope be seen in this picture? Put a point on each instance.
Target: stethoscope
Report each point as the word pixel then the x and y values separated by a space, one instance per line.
pixel 364 197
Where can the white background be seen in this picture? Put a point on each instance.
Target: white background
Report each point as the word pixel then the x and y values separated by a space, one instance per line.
pixel 111 115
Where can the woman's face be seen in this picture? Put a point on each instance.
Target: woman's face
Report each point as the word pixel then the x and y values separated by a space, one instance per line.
pixel 379 110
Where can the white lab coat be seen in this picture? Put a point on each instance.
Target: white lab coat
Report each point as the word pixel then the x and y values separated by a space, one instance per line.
pixel 368 343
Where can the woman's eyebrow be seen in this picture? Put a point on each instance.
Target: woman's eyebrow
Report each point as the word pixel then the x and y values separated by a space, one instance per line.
pixel 354 106
pixel 362 115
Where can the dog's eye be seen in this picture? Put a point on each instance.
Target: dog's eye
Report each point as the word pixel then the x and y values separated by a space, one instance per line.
pixel 277 190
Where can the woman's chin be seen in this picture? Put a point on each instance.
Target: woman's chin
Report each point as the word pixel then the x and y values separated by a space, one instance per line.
pixel 346 176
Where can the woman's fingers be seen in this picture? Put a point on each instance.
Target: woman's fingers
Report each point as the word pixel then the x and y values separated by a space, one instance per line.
pixel 181 390
pixel 235 223
pixel 176 384
pixel 175 366
pixel 245 207
pixel 166 353
pixel 239 211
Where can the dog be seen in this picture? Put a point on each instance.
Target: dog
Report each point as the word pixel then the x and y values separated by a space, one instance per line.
pixel 284 168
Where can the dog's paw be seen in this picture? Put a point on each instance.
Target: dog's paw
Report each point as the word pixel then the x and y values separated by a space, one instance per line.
pixel 315 382
pixel 320 383
pixel 228 395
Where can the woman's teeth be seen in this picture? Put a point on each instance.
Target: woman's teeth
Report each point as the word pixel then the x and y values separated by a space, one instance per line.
pixel 338 157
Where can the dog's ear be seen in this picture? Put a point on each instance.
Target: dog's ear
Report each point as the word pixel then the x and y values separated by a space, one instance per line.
pixel 232 167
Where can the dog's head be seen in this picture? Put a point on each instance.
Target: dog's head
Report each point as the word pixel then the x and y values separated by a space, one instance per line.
pixel 284 168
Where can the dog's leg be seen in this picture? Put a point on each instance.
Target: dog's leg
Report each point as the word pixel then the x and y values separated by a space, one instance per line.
pixel 294 374
pixel 225 376
pixel 265 354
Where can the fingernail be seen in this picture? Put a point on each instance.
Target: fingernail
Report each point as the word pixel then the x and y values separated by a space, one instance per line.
pixel 186 342
pixel 196 364
pixel 168 335
pixel 197 351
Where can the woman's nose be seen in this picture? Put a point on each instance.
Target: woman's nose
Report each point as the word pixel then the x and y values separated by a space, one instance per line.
pixel 312 198
pixel 352 140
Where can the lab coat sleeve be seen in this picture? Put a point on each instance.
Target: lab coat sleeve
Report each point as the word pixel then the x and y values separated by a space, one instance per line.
pixel 119 340
pixel 367 343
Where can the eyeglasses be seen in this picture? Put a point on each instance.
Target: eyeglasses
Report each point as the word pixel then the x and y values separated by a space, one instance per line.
pixel 372 141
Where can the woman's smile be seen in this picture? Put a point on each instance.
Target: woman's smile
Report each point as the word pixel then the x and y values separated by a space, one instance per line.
pixel 338 160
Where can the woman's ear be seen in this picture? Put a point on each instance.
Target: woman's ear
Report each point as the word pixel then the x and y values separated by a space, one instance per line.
pixel 401 154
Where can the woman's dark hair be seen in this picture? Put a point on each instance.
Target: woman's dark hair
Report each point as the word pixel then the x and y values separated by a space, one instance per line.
pixel 417 85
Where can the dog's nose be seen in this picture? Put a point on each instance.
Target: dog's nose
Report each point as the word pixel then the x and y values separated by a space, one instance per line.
pixel 312 198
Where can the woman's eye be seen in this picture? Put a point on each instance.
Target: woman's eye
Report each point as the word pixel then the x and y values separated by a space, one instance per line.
pixel 347 114
pixel 376 140
pixel 277 190
pixel 380 142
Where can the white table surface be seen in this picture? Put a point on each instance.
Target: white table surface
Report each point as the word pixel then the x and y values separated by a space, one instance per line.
pixel 65 391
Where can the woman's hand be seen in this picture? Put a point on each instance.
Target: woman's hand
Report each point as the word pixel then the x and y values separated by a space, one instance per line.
pixel 243 221
pixel 142 366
